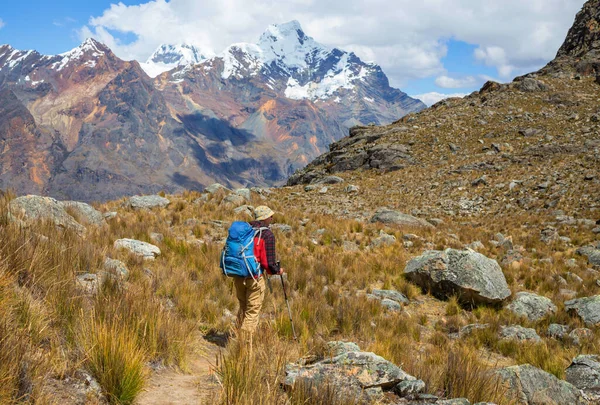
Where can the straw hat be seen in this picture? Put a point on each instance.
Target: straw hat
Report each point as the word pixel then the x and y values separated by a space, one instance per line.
pixel 263 212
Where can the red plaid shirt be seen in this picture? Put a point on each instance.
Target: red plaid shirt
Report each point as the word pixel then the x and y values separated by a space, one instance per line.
pixel 264 248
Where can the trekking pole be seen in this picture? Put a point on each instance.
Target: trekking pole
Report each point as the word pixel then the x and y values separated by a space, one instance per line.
pixel 288 306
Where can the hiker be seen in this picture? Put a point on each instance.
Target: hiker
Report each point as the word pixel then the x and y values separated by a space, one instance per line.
pixel 250 291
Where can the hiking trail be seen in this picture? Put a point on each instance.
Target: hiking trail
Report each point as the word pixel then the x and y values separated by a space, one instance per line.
pixel 197 386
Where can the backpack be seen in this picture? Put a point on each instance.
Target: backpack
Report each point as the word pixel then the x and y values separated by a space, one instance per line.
pixel 237 257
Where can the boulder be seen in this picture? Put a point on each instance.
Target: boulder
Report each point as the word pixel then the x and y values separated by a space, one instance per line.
pixel 517 332
pixel 246 210
pixel 329 180
pixel 116 266
pixel 139 202
pixel 85 212
pixel 391 217
pixel 244 192
pixel 588 309
pixel 474 278
pixel 531 85
pixel 584 373
pixel 234 199
pixel 409 387
pixel 533 386
pixel 392 295
pixel 138 248
pixel 355 375
pixel 33 208
pixel 531 306
pixel 469 329
pixel 592 252
pixel 335 348
pixel 383 240
pixel 216 187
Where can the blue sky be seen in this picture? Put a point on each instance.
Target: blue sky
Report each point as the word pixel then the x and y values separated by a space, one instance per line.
pixel 430 48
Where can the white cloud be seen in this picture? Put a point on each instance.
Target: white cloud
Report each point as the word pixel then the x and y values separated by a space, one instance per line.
pixel 405 37
pixel 461 82
pixel 2 23
pixel 431 98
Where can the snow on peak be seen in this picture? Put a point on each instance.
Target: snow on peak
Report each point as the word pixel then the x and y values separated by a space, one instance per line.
pixel 169 56
pixel 314 71
pixel 90 48
pixel 12 57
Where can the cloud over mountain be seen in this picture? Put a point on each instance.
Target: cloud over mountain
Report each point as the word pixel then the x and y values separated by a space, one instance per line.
pixel 408 40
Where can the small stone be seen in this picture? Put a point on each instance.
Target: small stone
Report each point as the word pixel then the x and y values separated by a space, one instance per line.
pixel 557 331
pixel 323 190
pixel 351 189
pixel 517 332
pixel 580 335
pixel 156 237
pixel 409 387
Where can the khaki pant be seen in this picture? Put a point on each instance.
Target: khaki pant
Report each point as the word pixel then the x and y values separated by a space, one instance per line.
pixel 250 294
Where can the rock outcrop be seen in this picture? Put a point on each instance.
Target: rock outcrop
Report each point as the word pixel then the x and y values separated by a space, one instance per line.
pixel 533 386
pixel 588 309
pixel 584 373
pixel 33 208
pixel 474 278
pixel 531 306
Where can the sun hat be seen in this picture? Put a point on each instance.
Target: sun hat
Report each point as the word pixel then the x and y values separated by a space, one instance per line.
pixel 263 212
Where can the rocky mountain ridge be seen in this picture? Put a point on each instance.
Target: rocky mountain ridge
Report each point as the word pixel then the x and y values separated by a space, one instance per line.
pixel 106 128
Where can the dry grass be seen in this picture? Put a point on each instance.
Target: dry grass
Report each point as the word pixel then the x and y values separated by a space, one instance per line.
pixel 153 313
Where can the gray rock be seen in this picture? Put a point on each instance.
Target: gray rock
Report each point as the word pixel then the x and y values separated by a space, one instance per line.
pixel 116 266
pixel 323 190
pixel 592 253
pixel 351 189
pixel 110 215
pixel 234 199
pixel 85 212
pixel 531 85
pixel 244 192
pixel 392 295
pixel 282 227
pixel 391 304
pixel 247 210
pixel 588 309
pixel 409 387
pixel 138 248
pixel 533 386
pixel 88 283
pixel 147 202
pixel 517 332
pixel 531 306
pixel 33 208
pixel 329 180
pixel 584 373
pixel 475 278
pixel 349 375
pixel 215 188
pixel 309 188
pixel 469 329
pixel 557 331
pixel 511 257
pixel 383 240
pixel 335 348
pixel 455 401
pixel 391 217
pixel 579 335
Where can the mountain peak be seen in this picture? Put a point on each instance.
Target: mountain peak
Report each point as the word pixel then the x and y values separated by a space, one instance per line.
pixel 89 49
pixel 291 30
pixel 584 35
pixel 169 56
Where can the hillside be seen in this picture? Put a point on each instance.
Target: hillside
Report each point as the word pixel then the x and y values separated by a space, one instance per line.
pixel 249 116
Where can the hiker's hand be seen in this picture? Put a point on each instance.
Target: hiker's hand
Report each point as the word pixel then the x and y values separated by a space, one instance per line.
pixel 280 271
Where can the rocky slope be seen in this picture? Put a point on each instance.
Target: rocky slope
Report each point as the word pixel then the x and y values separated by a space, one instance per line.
pixel 526 146
pixel 251 115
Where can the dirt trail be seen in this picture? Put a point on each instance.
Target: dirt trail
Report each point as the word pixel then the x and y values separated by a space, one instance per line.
pixel 196 387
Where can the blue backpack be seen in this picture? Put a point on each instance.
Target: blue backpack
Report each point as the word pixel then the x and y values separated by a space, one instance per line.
pixel 237 258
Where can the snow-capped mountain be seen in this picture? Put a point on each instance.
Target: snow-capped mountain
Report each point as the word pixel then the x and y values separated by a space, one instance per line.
pixel 87 125
pixel 313 71
pixel 167 57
